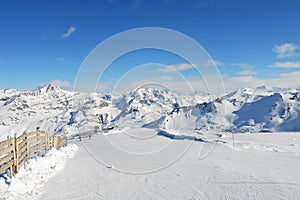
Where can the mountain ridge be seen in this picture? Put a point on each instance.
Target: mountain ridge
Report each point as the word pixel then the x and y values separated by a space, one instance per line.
pixel 64 112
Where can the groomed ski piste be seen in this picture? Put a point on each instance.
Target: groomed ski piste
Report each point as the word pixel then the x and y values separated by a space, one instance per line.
pixel 243 145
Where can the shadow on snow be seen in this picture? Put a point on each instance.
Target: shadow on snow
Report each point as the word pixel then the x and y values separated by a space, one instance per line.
pixel 179 137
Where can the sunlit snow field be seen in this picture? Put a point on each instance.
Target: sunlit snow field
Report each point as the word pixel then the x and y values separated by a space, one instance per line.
pixel 258 166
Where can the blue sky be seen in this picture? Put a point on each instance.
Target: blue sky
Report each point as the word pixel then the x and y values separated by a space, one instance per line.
pixel 250 40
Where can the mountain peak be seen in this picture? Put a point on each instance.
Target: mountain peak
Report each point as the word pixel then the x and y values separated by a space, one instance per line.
pixel 47 88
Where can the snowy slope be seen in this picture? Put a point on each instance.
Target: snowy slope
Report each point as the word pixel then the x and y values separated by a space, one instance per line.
pixel 260 166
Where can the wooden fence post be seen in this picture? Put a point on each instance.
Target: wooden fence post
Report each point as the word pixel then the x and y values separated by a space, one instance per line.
pixel 55 142
pixel 11 167
pixel 38 140
pixel 14 154
pixel 16 160
pixel 27 145
pixel 27 148
pixel 47 140
pixel 51 142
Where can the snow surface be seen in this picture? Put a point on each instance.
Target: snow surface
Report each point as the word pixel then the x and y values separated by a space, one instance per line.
pixel 26 184
pixel 259 166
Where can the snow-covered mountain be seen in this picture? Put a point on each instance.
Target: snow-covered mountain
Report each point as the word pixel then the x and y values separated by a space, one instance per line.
pixel 60 111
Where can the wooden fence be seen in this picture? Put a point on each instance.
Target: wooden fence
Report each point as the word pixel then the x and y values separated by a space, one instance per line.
pixel 14 152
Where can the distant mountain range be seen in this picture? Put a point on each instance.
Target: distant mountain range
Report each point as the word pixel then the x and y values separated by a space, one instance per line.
pixel 63 112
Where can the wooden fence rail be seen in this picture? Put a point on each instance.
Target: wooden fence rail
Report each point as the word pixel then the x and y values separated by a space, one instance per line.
pixel 14 152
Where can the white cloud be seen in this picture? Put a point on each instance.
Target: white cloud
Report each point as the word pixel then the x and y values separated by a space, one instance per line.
pixel 242 65
pixel 177 68
pixel 212 63
pixel 103 86
pixel 246 72
pixel 162 78
pixel 208 84
pixel 69 32
pixel 286 65
pixel 185 66
pixel 60 59
pixel 285 80
pixel 59 83
pixel 286 50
